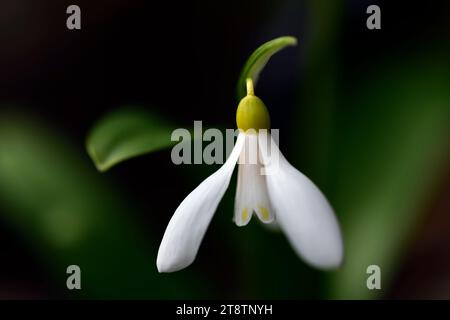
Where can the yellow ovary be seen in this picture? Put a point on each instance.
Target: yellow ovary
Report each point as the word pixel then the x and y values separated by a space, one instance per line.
pixel 252 112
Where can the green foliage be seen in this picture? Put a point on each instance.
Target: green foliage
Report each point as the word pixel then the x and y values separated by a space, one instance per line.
pixel 392 138
pixel 127 133
pixel 61 207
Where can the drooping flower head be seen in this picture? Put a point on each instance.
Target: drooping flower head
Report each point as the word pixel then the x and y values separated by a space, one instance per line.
pixel 268 186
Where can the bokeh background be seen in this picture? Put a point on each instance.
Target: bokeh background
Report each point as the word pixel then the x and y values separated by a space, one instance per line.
pixel 365 114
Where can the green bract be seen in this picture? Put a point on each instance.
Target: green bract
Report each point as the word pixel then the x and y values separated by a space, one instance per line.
pixel 258 60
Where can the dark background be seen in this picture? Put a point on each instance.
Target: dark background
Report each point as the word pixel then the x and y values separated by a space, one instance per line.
pixel 182 60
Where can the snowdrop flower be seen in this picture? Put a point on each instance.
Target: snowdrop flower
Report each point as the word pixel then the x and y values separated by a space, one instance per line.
pixel 282 196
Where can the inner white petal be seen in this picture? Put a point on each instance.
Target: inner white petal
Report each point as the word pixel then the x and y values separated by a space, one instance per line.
pixel 251 192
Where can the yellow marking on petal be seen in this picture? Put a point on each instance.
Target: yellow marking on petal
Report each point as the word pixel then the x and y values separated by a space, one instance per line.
pixel 245 214
pixel 264 213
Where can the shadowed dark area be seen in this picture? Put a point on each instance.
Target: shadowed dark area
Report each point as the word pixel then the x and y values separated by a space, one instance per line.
pixel 363 113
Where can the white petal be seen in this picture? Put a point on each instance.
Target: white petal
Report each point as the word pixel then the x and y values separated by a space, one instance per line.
pixel 251 191
pixel 272 226
pixel 302 211
pixel 188 225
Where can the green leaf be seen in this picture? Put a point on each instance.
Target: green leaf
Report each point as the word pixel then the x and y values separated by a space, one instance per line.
pixel 127 133
pixel 258 60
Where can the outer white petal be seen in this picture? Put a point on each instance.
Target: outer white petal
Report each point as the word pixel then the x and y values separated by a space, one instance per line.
pixel 302 211
pixel 251 191
pixel 188 225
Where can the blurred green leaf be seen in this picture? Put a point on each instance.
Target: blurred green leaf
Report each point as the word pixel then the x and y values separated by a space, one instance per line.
pixel 51 197
pixel 393 141
pixel 127 133
pixel 317 97
pixel 258 60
